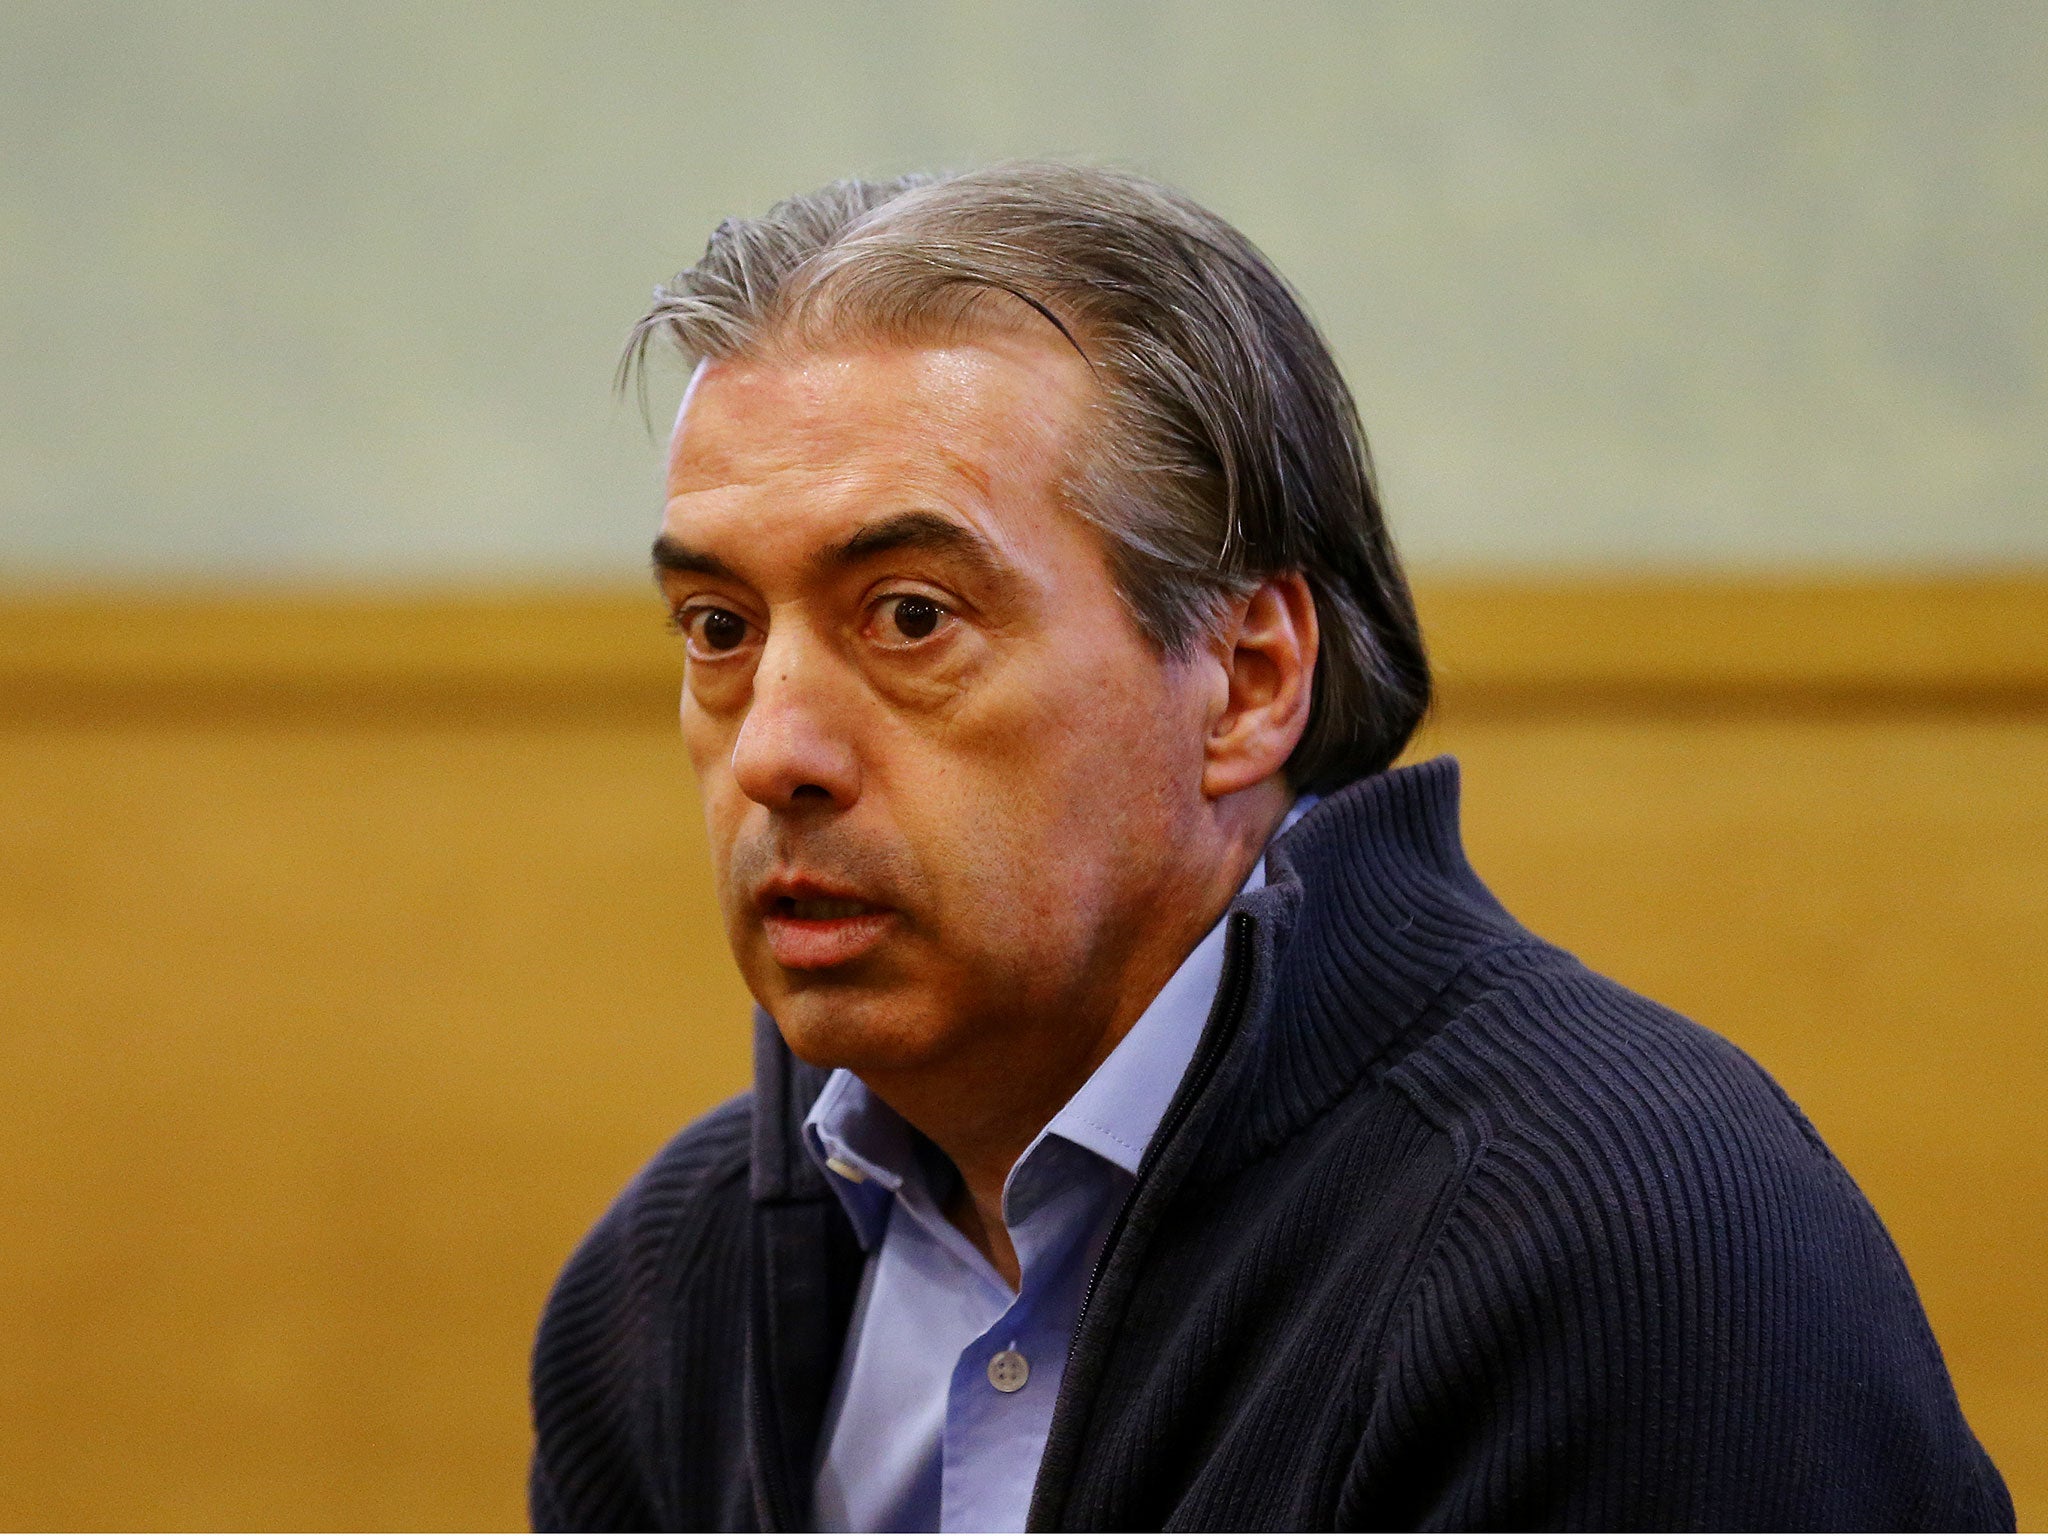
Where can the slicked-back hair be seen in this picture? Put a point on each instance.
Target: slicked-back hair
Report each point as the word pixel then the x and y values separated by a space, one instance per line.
pixel 1226 448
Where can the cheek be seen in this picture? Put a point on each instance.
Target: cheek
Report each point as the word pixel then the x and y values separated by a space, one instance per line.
pixel 708 741
pixel 710 727
pixel 708 744
pixel 1067 796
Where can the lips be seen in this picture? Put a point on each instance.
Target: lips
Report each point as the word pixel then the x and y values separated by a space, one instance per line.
pixel 812 926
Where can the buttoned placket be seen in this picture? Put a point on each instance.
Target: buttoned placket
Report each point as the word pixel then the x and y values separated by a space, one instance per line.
pixel 1002 1384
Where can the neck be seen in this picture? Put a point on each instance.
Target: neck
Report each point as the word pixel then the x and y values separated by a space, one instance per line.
pixel 984 1112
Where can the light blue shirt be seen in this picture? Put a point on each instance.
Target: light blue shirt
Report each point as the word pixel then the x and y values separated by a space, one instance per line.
pixel 946 1384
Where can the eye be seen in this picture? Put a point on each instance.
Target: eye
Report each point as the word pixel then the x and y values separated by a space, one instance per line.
pixel 908 617
pixel 711 631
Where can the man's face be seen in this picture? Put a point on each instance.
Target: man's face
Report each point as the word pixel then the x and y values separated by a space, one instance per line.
pixel 944 774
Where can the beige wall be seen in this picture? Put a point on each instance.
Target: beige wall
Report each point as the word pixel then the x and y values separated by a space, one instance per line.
pixel 357 950
pixel 336 289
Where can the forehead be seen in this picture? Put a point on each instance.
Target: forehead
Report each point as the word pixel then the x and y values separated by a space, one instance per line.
pixel 985 426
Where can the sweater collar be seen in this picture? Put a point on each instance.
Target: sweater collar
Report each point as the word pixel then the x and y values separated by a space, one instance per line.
pixel 1370 916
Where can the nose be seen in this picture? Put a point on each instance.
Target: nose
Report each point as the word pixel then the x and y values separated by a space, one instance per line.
pixel 793 750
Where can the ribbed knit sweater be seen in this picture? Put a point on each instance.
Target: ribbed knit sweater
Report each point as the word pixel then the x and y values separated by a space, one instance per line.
pixel 1441 1231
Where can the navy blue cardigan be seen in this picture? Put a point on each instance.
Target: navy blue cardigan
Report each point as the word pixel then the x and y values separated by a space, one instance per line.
pixel 1441 1231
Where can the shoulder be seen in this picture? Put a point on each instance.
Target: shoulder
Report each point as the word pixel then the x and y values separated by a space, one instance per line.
pixel 703 1167
pixel 1626 1142
pixel 692 1187
pixel 1652 1265
pixel 1541 1054
pixel 660 1278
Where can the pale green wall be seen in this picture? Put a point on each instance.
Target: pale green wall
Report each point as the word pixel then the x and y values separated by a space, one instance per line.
pixel 336 289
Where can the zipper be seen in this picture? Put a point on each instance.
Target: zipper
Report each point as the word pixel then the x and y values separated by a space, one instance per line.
pixel 774 1495
pixel 770 1493
pixel 1235 984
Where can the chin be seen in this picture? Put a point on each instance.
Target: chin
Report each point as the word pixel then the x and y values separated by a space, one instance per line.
pixel 827 1027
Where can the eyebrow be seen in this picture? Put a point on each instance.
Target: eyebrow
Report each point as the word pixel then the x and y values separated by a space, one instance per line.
pixel 926 531
pixel 672 554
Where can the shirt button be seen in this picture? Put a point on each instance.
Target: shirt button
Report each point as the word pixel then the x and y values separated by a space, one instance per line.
pixel 1008 1370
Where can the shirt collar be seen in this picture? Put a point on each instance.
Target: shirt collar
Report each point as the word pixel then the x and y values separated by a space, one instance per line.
pixel 864 1148
pixel 1116 1111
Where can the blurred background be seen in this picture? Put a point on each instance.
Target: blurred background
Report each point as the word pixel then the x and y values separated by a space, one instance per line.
pixel 356 938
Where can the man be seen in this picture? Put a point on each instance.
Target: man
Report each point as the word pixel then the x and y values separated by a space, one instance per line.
pixel 1157 1123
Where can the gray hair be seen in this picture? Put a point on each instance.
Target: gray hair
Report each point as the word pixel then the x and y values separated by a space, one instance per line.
pixel 1232 450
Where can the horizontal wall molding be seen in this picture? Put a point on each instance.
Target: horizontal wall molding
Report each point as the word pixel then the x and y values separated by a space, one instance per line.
pixel 1503 645
pixel 336 655
pixel 1724 644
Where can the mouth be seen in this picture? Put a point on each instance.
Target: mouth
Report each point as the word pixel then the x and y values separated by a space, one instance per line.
pixel 811 929
pixel 820 909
